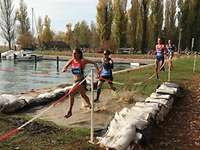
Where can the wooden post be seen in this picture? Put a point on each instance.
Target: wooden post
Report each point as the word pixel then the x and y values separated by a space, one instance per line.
pixel 35 60
pixel 14 56
pixel 57 60
pixel 92 109
pixel 179 41
pixel 192 45
pixel 169 70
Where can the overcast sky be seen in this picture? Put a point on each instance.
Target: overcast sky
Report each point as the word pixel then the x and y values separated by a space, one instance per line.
pixel 61 12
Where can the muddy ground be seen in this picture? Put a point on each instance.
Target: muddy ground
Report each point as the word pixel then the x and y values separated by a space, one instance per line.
pixel 181 128
pixel 179 131
pixel 110 102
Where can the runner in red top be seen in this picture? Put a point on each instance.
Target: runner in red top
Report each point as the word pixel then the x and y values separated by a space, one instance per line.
pixel 160 51
pixel 78 64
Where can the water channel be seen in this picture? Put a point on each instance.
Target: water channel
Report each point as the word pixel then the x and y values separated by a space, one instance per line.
pixel 17 77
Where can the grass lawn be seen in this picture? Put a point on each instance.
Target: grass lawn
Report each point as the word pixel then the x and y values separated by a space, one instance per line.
pixel 87 54
pixel 45 135
pixel 183 70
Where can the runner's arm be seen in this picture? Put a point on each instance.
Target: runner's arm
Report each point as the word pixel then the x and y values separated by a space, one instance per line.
pixel 95 64
pixel 66 65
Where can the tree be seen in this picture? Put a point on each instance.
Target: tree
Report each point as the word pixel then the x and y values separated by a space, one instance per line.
pixel 7 21
pixel 144 9
pixel 94 40
pixel 170 18
pixel 104 21
pixel 196 29
pixel 39 28
pixel 133 24
pixel 69 36
pixel 47 34
pixel 22 17
pixel 60 36
pixel 82 34
pixel 189 21
pixel 119 28
pixel 25 38
pixel 156 21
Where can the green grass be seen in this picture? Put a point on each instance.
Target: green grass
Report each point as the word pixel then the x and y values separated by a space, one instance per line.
pixel 2 49
pixel 183 70
pixel 87 54
pixel 43 135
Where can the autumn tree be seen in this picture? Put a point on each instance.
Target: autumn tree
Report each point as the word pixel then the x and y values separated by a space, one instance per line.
pixel 144 10
pixel 25 38
pixel 60 36
pixel 69 36
pixel 7 21
pixel 39 28
pixel 94 40
pixel 196 24
pixel 47 34
pixel 119 27
pixel 189 22
pixel 104 21
pixel 170 20
pixel 133 24
pixel 155 21
pixel 82 34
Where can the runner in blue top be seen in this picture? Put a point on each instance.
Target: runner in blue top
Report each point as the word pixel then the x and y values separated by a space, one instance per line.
pixel 105 73
pixel 170 48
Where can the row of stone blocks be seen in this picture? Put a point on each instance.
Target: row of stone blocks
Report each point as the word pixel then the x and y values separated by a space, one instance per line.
pixel 133 125
pixel 14 103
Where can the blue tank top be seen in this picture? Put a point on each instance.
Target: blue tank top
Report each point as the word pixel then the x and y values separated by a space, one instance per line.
pixel 107 68
pixel 170 50
pixel 159 52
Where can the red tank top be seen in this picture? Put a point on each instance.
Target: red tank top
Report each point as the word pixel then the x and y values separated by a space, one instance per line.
pixel 78 66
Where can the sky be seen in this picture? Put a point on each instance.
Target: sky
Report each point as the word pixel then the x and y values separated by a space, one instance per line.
pixel 61 12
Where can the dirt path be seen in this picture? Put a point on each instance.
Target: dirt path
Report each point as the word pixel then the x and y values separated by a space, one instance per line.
pixel 104 111
pixel 181 129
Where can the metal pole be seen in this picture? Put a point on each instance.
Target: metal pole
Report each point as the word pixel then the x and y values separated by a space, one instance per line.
pixel 92 109
pixel 179 41
pixel 32 22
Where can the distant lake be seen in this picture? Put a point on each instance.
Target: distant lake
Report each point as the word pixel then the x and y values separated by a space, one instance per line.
pixel 17 77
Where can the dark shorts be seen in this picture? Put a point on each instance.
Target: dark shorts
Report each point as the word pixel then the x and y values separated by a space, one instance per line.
pixel 84 83
pixel 108 79
pixel 171 54
pixel 160 58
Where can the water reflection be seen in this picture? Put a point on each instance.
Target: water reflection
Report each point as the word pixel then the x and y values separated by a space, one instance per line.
pixel 16 77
